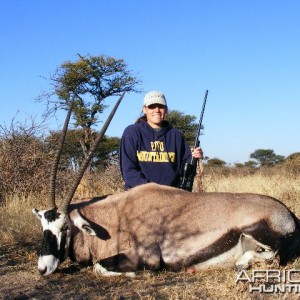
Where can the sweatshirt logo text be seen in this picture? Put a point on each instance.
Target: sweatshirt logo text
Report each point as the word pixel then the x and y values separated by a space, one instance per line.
pixel 157 154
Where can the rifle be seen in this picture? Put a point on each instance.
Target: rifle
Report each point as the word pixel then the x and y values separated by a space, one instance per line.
pixel 189 170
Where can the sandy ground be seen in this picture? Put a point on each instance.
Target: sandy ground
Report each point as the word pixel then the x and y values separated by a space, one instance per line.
pixel 21 280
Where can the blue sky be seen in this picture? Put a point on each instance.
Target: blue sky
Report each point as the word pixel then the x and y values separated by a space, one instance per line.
pixel 246 53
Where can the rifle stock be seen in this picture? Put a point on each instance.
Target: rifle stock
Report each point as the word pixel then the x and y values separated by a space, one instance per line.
pixel 189 170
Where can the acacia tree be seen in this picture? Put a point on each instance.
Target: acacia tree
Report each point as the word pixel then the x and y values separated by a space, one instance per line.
pixel 89 81
pixel 266 157
pixel 215 162
pixel 251 164
pixel 72 156
pixel 185 123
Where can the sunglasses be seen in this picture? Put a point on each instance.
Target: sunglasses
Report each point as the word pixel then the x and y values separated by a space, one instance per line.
pixel 153 106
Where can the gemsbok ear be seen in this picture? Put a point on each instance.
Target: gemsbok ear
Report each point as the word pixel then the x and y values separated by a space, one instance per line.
pixel 84 226
pixel 36 213
pixel 87 229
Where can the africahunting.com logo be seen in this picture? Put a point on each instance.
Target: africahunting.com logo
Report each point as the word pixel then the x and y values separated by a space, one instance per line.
pixel 271 281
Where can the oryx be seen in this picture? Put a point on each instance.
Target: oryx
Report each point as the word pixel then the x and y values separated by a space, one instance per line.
pixel 159 227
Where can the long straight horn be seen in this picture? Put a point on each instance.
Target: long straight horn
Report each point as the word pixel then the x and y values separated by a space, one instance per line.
pixel 64 205
pixel 57 157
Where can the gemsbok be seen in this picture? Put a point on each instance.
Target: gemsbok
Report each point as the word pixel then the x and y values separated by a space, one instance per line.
pixel 158 227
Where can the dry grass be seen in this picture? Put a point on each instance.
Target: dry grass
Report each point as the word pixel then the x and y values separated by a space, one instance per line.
pixel 16 220
pixel 105 183
pixel 20 233
pixel 283 187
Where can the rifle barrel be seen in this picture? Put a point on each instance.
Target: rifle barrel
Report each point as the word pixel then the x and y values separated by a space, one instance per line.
pixel 197 142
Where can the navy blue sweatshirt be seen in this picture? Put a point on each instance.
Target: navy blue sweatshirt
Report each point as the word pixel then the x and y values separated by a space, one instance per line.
pixel 147 155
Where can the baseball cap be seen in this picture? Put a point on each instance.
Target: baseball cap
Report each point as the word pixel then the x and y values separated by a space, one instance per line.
pixel 154 97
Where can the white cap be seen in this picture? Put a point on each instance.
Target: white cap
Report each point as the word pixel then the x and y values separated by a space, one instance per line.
pixel 154 97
